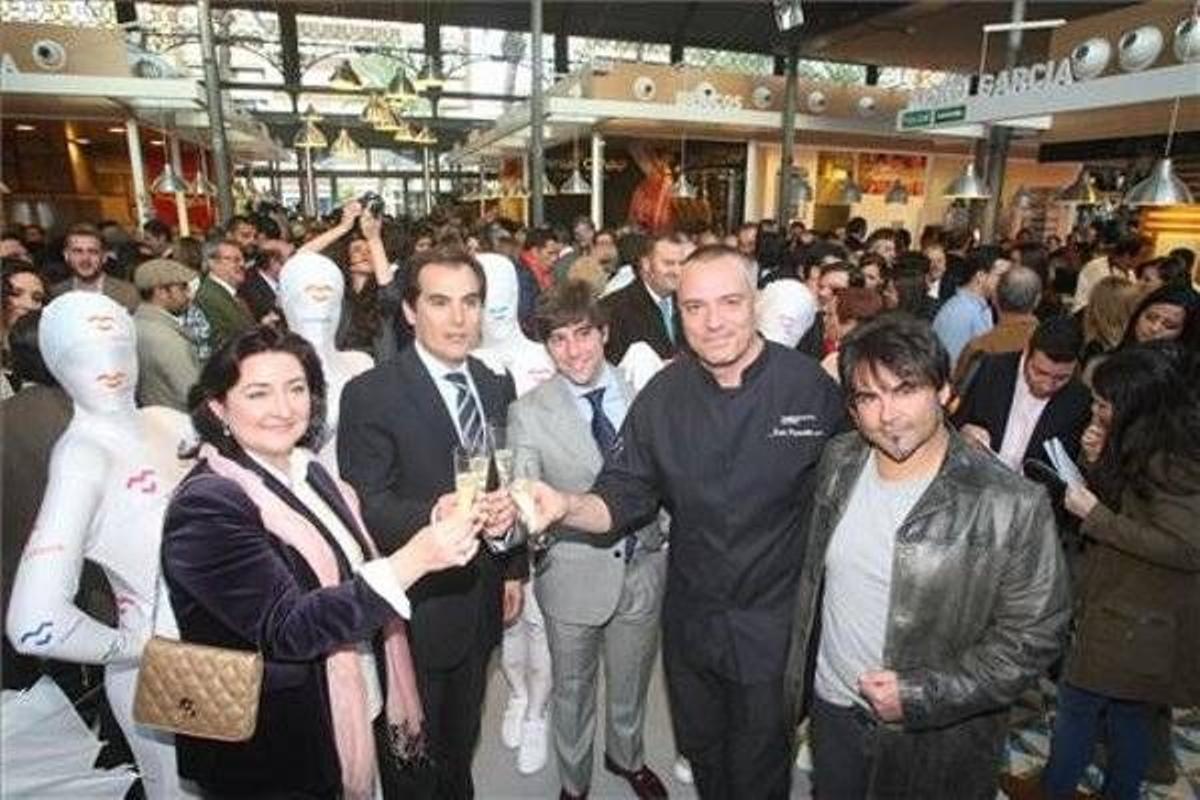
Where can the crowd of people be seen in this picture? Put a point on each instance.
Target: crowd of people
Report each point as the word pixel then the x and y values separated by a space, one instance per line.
pixel 859 490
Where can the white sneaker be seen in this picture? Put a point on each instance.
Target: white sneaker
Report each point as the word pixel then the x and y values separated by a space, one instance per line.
pixel 531 756
pixel 510 726
pixel 683 771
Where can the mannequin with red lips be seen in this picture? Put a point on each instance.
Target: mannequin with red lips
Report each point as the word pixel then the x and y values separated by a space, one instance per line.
pixel 111 475
pixel 311 288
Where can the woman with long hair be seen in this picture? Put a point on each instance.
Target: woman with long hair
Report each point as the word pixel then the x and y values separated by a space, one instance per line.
pixel 1137 636
pixel 22 290
pixel 264 550
pixel 1105 318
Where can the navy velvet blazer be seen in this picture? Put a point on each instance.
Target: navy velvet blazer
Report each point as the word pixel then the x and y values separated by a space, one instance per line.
pixel 233 584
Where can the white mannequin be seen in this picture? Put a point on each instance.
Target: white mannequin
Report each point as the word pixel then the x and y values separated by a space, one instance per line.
pixel 525 656
pixel 786 310
pixel 111 475
pixel 504 346
pixel 310 295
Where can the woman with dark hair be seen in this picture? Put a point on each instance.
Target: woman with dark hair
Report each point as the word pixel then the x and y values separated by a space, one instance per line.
pixel 264 550
pixel 851 308
pixel 22 290
pixel 1137 637
pixel 1161 315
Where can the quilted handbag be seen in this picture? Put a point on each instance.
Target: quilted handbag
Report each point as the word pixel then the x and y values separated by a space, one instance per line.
pixel 198 690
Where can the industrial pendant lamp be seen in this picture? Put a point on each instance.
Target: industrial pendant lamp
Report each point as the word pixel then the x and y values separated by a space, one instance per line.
pixel 897 194
pixel 576 183
pixel 1082 190
pixel 168 182
pixel 683 189
pixel 967 186
pixel 202 186
pixel 309 137
pixel 344 76
pixel 430 77
pixel 344 148
pixel 400 89
pixel 850 192
pixel 1162 186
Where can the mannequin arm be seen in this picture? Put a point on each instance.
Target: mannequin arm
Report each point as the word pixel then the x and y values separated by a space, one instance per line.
pixel 43 619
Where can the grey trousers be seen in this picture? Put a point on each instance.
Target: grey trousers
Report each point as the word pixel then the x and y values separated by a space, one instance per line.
pixel 627 642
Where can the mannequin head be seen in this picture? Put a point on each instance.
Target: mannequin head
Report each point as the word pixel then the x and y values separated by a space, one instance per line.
pixel 89 345
pixel 500 324
pixel 786 310
pixel 310 295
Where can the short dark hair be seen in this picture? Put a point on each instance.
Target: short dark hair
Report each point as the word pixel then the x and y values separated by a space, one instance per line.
pixel 154 227
pixel 1128 246
pixel 569 303
pixel 450 256
pixel 83 229
pixel 912 261
pixel 538 238
pixel 267 227
pixel 856 227
pixel 223 370
pixel 238 219
pixel 1058 338
pixel 904 344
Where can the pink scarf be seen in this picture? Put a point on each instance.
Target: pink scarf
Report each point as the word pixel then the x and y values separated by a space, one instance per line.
pixel 352 730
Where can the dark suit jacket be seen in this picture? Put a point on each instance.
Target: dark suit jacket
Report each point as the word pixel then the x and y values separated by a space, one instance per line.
pixel 633 316
pixel 258 294
pixel 227 315
pixel 233 584
pixel 395 447
pixel 990 397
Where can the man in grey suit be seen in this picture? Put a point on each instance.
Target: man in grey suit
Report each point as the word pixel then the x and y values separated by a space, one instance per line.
pixel 168 363
pixel 601 596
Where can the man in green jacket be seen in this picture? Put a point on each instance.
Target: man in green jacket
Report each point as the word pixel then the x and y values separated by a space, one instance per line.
pixel 227 313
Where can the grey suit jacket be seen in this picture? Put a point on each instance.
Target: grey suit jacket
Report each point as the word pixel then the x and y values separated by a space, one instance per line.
pixel 168 363
pixel 583 572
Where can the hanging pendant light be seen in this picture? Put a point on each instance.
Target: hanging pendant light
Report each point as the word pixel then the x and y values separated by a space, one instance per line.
pixel 168 182
pixel 576 183
pixel 430 77
pixel 1082 190
pixel 1162 187
pixel 310 114
pixel 1022 198
pixel 850 192
pixel 344 76
pixel 309 137
pixel 967 186
pixel 682 189
pixel 344 148
pixel 202 186
pixel 897 194
pixel 406 134
pixel 400 89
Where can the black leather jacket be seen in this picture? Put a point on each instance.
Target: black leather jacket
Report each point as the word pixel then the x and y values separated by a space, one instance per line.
pixel 979 608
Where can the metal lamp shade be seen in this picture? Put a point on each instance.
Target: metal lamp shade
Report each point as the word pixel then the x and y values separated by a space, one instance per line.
pixel 425 137
pixel 401 89
pixel 202 187
pixel 309 137
pixel 429 78
pixel 1082 190
pixel 850 193
pixel 168 182
pixel 344 147
pixel 897 194
pixel 576 184
pixel 967 186
pixel 344 76
pixel 1160 188
pixel 683 188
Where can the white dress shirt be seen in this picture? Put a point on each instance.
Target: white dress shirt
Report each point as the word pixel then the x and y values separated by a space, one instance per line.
pixel 437 370
pixel 1023 417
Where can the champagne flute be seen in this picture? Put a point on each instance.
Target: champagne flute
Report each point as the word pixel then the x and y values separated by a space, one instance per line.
pixel 501 456
pixel 525 472
pixel 470 476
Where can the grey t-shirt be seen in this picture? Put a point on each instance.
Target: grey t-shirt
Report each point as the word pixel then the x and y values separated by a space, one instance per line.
pixel 858 582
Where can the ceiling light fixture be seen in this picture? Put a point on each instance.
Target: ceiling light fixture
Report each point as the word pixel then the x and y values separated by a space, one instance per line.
pixel 897 194
pixel 1162 187
pixel 967 186
pixel 344 76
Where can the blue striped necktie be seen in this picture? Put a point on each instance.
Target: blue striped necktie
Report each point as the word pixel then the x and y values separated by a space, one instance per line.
pixel 470 420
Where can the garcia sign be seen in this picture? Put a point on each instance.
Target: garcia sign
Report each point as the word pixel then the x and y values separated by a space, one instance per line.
pixel 1048 75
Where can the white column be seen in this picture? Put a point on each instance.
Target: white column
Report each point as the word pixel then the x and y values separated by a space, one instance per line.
pixel 137 168
pixel 750 210
pixel 597 180
pixel 180 201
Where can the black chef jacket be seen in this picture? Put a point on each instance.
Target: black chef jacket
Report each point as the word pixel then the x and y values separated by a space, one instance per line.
pixel 734 468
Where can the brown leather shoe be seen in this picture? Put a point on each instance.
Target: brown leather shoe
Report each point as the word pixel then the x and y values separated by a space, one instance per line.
pixel 644 782
pixel 565 795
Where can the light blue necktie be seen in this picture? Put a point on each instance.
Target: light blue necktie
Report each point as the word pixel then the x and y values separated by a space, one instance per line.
pixel 667 309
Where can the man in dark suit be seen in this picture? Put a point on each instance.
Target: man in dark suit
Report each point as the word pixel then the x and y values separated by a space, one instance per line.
pixel 400 423
pixel 1018 401
pixel 644 311
pixel 261 289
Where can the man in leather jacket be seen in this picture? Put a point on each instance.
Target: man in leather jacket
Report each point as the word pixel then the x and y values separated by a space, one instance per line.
pixel 933 591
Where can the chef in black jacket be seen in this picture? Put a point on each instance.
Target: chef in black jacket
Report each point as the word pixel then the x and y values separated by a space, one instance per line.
pixel 727 440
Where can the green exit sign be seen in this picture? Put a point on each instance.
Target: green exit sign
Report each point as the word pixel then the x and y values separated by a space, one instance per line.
pixel 928 117
pixel 916 119
pixel 950 114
